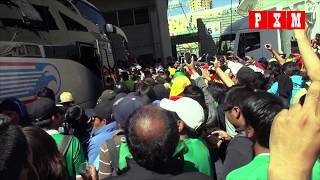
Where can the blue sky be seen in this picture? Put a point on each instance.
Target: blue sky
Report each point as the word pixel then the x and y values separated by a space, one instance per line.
pixel 184 6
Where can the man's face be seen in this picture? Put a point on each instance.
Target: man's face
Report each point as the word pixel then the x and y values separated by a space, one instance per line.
pixel 56 120
pixel 97 122
pixel 163 75
pixel 14 116
pixel 235 118
pixel 231 116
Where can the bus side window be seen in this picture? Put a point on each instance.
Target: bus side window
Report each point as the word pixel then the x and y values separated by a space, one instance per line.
pixel 248 42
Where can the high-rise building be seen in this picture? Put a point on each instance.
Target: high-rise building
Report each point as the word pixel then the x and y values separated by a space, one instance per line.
pixel 199 5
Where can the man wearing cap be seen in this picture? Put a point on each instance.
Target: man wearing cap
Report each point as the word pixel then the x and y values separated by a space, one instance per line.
pixel 44 114
pixel 102 130
pixel 189 125
pixel 66 99
pixel 113 153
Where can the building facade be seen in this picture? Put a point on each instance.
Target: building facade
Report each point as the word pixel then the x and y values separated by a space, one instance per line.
pixel 145 24
pixel 200 5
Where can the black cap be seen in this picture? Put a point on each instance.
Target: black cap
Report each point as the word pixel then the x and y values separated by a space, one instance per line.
pixel 125 107
pixel 42 109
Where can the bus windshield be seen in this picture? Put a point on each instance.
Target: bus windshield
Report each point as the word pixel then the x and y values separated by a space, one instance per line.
pixel 226 43
pixel 91 14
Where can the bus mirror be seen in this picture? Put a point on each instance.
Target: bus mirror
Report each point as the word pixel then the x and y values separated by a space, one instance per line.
pixel 109 28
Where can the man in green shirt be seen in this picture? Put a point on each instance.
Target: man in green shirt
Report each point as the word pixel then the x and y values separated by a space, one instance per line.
pixel 44 114
pixel 259 110
pixel 195 153
pixel 197 157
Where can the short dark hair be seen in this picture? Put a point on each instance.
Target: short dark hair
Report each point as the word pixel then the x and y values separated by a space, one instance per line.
pixel 50 163
pixel 120 88
pixel 46 92
pixel 125 76
pixel 152 146
pixel 13 149
pixel 217 91
pixel 291 68
pixel 145 89
pixel 235 95
pixel 275 68
pixel 259 110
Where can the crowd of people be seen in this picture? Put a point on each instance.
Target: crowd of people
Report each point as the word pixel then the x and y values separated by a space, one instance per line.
pixel 223 118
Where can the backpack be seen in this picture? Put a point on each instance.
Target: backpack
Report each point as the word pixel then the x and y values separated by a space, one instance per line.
pixel 65 144
pixel 63 147
pixel 112 145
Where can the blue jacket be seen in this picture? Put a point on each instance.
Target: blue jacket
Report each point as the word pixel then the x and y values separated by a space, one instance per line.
pixel 98 137
pixel 297 82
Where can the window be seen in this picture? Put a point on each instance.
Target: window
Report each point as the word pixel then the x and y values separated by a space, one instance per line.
pixel 72 25
pixel 248 42
pixel 91 14
pixel 89 58
pixel 125 17
pixel 111 17
pixel 226 43
pixel 46 16
pixel 67 4
pixel 141 16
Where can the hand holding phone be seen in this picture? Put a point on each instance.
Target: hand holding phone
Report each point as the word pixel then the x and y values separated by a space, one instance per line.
pixel 268 46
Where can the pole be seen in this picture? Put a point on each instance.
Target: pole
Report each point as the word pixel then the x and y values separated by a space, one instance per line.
pixel 230 21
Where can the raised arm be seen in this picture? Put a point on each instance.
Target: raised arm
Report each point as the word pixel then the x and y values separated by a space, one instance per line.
pixel 275 53
pixel 310 59
pixel 223 76
pixel 289 158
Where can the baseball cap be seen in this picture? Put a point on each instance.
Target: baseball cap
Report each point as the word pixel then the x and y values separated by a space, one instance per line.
pixel 189 110
pixel 234 67
pixel 91 113
pixel 124 107
pixel 66 97
pixel 106 95
pixel 104 109
pixel 42 109
pixel 179 82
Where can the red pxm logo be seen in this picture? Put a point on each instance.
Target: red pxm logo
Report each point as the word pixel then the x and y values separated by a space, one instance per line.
pixel 277 19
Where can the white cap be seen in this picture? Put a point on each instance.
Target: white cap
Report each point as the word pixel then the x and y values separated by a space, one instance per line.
pixel 234 67
pixel 188 110
pixel 66 97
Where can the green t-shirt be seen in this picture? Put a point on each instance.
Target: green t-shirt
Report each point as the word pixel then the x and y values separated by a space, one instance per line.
pixel 196 156
pixel 74 155
pixel 257 169
pixel 130 84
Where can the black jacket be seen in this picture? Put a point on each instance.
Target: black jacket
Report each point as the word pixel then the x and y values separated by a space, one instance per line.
pixel 136 172
pixel 239 153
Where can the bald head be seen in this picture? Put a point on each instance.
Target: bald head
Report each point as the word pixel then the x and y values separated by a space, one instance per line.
pixel 152 136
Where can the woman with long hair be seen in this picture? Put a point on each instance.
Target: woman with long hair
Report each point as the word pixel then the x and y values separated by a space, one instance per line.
pixel 47 160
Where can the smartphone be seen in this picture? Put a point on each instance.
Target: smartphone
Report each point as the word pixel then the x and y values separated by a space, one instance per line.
pixel 213 139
